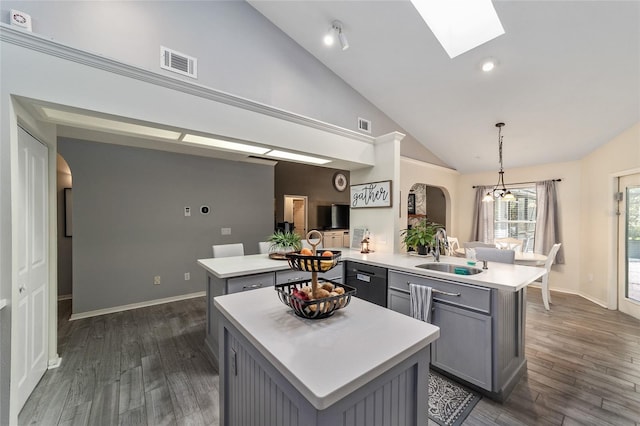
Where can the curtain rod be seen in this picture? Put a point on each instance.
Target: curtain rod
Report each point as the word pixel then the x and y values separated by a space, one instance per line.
pixel 519 183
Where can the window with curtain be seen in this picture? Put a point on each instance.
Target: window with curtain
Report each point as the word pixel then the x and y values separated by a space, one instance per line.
pixel 533 218
pixel 517 219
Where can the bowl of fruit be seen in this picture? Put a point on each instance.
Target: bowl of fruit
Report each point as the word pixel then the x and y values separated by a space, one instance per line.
pixel 305 260
pixel 328 297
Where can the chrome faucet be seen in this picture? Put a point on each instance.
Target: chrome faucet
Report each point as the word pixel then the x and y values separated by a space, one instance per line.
pixel 440 232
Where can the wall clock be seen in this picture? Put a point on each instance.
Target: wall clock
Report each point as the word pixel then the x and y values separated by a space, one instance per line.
pixel 340 181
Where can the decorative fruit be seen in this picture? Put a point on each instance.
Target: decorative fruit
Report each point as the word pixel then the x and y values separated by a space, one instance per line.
pixel 327 253
pixel 306 252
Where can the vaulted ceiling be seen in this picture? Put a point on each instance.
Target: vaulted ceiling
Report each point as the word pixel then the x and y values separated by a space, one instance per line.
pixel 567 78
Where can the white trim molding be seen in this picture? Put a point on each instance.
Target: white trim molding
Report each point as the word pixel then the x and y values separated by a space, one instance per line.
pixel 3 303
pixel 128 307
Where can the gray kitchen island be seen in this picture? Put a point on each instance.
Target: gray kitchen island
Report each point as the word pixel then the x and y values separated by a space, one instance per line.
pixel 353 368
pixel 481 317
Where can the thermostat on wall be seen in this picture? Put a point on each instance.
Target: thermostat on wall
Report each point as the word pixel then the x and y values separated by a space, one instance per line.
pixel 205 209
pixel 20 19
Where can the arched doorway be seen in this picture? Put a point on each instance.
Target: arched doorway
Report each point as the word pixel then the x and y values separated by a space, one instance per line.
pixel 426 201
pixel 64 183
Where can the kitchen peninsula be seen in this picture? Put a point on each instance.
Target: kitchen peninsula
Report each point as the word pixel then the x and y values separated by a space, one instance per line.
pixel 481 316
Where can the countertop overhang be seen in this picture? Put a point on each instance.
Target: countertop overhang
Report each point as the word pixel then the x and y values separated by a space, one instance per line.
pixel 326 360
pixel 500 276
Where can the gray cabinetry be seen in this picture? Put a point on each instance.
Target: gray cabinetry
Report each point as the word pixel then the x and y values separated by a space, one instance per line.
pixel 254 392
pixel 464 347
pixel 481 330
pixel 290 275
pixel 219 286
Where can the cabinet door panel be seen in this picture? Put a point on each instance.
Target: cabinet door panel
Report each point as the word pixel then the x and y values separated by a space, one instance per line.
pixel 399 302
pixel 464 346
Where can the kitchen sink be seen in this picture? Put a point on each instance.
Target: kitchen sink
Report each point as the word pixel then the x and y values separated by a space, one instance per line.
pixel 450 268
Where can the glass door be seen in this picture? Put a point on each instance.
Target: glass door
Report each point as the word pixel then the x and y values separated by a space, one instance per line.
pixel 629 246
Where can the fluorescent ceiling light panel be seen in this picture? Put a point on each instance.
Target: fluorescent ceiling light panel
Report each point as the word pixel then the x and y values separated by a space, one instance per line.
pixel 296 157
pixel 460 25
pixel 97 123
pixel 222 144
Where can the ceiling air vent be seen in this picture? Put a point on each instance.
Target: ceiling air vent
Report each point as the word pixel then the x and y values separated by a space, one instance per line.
pixel 178 62
pixel 364 125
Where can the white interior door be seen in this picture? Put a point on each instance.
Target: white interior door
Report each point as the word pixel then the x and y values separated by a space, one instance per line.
pixel 29 321
pixel 629 246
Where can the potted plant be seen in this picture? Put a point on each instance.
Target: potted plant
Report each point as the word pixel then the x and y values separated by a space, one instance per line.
pixel 284 242
pixel 420 236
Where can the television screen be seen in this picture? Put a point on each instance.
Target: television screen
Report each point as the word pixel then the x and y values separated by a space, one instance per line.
pixel 340 216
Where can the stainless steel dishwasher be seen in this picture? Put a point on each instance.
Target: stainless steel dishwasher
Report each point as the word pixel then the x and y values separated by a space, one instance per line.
pixel 369 281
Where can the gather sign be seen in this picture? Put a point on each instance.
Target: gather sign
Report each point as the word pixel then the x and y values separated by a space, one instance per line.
pixel 373 194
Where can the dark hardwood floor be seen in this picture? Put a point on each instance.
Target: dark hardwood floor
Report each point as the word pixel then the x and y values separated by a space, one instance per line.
pixel 147 367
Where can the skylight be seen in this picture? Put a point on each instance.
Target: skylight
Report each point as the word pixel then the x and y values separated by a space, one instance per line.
pixel 460 25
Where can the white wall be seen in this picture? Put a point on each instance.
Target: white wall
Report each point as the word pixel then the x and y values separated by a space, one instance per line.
pixel 412 172
pixel 238 50
pixel 599 223
pixel 382 222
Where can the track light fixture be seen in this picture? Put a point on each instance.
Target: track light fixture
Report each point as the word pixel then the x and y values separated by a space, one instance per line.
pixel 336 30
pixel 500 190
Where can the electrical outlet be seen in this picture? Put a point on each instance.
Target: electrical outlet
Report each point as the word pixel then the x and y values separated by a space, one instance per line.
pixel 187 276
pixel 156 280
pixel 225 231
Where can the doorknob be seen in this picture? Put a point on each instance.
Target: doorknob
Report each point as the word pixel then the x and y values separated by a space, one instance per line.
pixel 21 289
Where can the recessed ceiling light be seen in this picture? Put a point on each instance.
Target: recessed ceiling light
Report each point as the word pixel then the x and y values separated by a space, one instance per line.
pixel 460 25
pixel 223 144
pixel 488 65
pixel 98 123
pixel 328 38
pixel 296 157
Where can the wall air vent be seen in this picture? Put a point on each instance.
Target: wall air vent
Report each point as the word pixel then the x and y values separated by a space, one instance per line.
pixel 364 125
pixel 178 62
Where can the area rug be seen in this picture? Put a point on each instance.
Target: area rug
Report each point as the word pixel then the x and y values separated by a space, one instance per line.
pixel 449 402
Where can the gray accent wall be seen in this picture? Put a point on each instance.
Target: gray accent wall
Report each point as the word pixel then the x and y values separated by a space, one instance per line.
pixel 314 182
pixel 129 224
pixel 239 51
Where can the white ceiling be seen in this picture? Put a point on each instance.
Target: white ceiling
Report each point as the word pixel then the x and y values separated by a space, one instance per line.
pixel 567 80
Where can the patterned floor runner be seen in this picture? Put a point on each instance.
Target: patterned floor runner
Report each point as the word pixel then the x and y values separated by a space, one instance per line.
pixel 449 402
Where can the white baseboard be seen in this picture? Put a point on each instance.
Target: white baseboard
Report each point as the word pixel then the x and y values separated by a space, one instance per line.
pixel 65 297
pixel 576 293
pixel 54 363
pixel 121 308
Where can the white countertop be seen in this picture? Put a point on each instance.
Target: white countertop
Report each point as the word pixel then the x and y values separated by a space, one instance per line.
pixel 500 276
pixel 327 359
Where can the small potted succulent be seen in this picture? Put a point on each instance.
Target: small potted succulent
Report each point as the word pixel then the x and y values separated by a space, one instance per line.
pixel 420 236
pixel 283 243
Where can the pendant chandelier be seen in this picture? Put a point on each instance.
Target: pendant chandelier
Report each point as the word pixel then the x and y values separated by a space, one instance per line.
pixel 499 191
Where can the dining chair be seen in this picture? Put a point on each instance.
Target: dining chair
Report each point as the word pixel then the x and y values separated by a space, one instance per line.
pixel 546 294
pixel 453 245
pixel 509 243
pixel 474 244
pixel 495 255
pixel 228 250
pixel 264 247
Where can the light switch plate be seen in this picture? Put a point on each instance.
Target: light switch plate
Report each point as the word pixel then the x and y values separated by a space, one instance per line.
pixel 225 231
pixel 187 211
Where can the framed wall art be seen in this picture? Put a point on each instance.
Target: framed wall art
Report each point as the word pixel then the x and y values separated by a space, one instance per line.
pixel 372 194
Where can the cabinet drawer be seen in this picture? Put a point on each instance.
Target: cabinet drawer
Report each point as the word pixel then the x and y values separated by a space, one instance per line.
pixel 290 275
pixel 459 294
pixel 251 282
